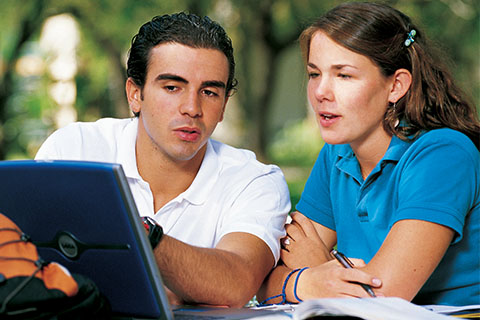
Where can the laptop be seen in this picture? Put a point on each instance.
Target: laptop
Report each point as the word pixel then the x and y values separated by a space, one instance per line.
pixel 83 216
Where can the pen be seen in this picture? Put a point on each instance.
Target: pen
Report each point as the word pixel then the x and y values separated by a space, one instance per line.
pixel 344 261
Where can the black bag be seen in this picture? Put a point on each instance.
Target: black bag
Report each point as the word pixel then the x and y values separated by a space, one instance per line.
pixel 31 288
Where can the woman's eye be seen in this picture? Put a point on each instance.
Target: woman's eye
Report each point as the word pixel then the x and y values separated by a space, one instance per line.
pixel 344 76
pixel 313 74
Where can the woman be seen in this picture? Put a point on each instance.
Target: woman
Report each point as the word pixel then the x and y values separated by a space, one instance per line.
pixel 397 185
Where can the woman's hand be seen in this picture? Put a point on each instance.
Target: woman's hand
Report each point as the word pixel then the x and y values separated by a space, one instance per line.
pixel 333 280
pixel 303 247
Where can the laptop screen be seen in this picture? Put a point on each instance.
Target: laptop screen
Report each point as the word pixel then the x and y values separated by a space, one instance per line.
pixel 83 216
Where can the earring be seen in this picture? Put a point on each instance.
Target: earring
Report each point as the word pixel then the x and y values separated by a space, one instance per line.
pixel 397 122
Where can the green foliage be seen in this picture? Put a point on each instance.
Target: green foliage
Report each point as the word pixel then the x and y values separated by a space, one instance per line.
pixel 295 150
pixel 26 124
pixel 297 145
pixel 295 186
pixel 262 31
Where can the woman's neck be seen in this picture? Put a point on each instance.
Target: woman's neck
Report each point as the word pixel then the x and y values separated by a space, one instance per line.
pixel 371 152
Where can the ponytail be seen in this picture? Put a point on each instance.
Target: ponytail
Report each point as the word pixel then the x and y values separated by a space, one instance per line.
pixel 434 101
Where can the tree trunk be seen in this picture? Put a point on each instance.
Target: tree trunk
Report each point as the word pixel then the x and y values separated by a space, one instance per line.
pixel 30 23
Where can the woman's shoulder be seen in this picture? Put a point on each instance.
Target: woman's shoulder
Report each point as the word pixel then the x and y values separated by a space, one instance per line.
pixel 446 142
pixel 446 136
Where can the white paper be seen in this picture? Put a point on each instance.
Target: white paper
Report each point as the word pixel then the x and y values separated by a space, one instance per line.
pixel 365 308
pixel 451 309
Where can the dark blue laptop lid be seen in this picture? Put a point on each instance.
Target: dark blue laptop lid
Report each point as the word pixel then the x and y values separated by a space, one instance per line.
pixel 83 216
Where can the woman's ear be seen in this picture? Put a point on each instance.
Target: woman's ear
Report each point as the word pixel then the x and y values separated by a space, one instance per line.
pixel 402 79
pixel 134 95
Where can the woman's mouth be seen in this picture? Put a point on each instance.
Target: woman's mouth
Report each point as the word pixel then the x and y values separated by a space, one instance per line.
pixel 328 116
pixel 328 119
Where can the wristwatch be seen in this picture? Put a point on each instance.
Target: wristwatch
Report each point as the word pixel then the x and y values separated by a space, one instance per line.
pixel 155 231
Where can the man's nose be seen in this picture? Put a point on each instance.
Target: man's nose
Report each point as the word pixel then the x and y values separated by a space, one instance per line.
pixel 191 105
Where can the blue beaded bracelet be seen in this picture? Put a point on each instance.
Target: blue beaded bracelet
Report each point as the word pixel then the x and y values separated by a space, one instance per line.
pixel 295 284
pixel 283 294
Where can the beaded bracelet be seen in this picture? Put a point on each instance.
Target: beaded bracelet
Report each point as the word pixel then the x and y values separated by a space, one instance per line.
pixel 283 294
pixel 295 284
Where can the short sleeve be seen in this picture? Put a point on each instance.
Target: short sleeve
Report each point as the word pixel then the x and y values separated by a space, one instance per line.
pixel 315 202
pixel 48 150
pixel 440 180
pixel 65 143
pixel 261 209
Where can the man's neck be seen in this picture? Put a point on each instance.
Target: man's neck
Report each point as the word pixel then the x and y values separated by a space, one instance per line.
pixel 167 177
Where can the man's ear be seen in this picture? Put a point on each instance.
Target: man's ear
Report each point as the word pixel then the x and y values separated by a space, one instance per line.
pixel 223 110
pixel 402 80
pixel 134 95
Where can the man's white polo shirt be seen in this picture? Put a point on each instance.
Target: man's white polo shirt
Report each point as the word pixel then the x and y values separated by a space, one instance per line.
pixel 232 192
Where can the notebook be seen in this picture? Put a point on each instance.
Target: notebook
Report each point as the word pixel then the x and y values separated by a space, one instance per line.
pixel 83 216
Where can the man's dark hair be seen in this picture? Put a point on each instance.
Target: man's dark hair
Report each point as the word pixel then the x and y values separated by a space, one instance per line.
pixel 187 29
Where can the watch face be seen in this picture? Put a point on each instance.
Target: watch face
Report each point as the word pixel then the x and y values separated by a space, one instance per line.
pixel 148 223
pixel 155 231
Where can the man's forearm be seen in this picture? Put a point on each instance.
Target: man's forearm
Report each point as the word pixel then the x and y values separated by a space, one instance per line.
pixel 211 276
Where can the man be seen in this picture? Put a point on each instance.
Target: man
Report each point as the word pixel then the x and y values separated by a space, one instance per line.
pixel 221 210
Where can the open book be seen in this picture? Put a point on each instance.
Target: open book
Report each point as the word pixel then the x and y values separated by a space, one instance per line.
pixel 365 308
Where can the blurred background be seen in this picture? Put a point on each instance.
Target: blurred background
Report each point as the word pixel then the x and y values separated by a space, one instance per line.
pixel 64 61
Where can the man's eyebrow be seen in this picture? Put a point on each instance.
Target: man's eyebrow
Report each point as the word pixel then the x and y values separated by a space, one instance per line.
pixel 169 76
pixel 214 83
pixel 174 77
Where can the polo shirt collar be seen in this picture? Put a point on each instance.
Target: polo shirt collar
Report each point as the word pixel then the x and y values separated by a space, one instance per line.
pixel 202 184
pixel 348 163
pixel 396 149
pixel 206 177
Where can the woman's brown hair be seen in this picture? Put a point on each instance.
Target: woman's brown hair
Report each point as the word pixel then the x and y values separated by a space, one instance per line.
pixel 378 32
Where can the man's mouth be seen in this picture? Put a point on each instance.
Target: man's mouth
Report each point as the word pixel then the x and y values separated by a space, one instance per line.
pixel 189 131
pixel 188 134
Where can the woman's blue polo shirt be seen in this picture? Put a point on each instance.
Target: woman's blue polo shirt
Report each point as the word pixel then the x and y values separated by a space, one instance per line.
pixel 435 178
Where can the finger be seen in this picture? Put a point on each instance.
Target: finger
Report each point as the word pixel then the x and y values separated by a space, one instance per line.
pixel 306 224
pixel 289 219
pixel 359 276
pixel 286 241
pixel 294 232
pixel 340 288
pixel 358 262
pixel 355 290
pixel 292 214
pixel 284 253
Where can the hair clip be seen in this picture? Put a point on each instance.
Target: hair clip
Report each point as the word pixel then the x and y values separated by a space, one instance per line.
pixel 410 38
